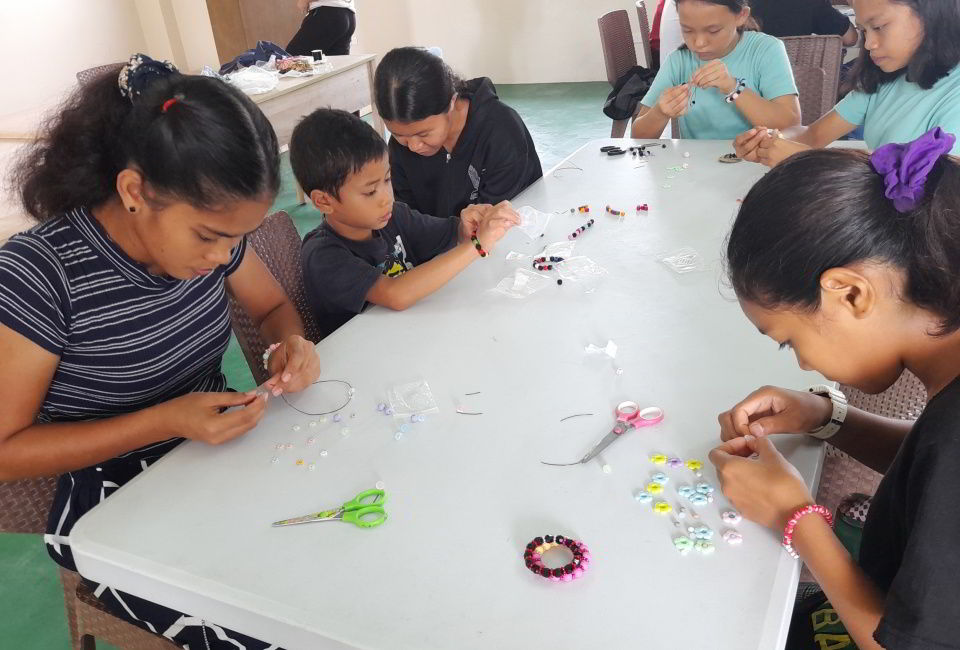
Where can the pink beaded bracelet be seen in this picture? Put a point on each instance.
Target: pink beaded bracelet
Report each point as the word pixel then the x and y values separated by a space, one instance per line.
pixel 823 511
pixel 267 353
pixel 577 566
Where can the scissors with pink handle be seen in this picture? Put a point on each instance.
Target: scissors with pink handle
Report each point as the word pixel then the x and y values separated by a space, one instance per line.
pixel 629 416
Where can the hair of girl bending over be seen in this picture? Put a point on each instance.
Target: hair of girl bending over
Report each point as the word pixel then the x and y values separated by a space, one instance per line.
pixel 736 8
pixel 937 45
pixel 824 209
pixel 208 148
pixel 412 84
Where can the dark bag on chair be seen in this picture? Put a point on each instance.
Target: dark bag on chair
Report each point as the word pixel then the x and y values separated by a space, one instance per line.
pixel 622 101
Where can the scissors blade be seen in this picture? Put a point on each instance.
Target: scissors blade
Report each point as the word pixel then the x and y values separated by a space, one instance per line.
pixel 325 515
pixel 600 446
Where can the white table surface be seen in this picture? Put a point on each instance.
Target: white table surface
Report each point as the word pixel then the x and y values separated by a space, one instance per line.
pixel 466 493
pixel 334 65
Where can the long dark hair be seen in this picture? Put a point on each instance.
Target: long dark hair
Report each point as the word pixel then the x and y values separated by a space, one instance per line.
pixel 938 54
pixel 827 208
pixel 411 84
pixel 209 147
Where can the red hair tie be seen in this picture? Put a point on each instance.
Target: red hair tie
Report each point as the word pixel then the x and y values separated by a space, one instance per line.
pixel 167 104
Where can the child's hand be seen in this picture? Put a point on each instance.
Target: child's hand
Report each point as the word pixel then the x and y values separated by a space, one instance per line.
pixel 759 481
pixel 293 366
pixel 747 144
pixel 714 75
pixel 673 102
pixel 197 416
pixel 495 224
pixel 471 218
pixel 775 410
pixel 773 151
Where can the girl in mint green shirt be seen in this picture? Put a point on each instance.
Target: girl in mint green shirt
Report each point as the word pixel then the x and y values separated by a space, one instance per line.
pixel 723 80
pixel 905 83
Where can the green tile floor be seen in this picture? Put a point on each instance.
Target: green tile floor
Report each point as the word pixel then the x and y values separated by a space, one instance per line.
pixel 561 117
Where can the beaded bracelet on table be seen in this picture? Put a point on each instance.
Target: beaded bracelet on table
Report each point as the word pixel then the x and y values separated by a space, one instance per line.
pixel 546 263
pixel 533 554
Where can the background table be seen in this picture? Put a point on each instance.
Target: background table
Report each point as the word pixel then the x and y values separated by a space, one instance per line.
pixel 345 83
pixel 466 493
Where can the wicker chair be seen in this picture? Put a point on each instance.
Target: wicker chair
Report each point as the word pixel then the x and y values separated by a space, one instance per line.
pixel 644 22
pixel 23 509
pixel 816 64
pixel 86 76
pixel 619 53
pixel 277 243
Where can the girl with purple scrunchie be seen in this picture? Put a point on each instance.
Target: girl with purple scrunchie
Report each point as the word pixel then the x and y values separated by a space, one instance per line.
pixel 852 261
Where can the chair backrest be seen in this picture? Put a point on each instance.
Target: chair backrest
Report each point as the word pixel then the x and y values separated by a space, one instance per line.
pixel 644 21
pixel 616 39
pixel 86 76
pixel 277 243
pixel 842 475
pixel 818 94
pixel 24 504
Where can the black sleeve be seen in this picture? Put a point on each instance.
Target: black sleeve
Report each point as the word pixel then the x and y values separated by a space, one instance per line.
pixel 828 20
pixel 426 236
pixel 398 175
pixel 336 279
pixel 921 604
pixel 34 301
pixel 506 160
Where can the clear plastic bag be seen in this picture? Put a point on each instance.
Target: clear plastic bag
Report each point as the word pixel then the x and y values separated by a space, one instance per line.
pixel 521 284
pixel 533 223
pixel 558 249
pixel 412 398
pixel 254 80
pixel 684 260
pixel 514 256
pixel 582 271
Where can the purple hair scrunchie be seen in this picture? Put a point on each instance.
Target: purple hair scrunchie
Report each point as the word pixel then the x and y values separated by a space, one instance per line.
pixel 905 167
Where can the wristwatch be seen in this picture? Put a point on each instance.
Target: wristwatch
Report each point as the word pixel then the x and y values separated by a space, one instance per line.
pixel 839 401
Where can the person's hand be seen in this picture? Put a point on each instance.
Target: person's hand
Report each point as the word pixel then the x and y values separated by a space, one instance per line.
pixel 747 144
pixel 759 482
pixel 714 75
pixel 293 366
pixel 772 410
pixel 495 224
pixel 471 217
pixel 201 416
pixel 774 150
pixel 674 102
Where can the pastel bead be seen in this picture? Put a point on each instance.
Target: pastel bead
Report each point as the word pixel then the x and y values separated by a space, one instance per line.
pixel 577 573
pixel 381 407
pixel 732 537
pixel 322 419
pixel 310 441
pixel 345 431
pixel 275 459
pixel 662 507
pixel 643 496
pixel 699 500
pixel 323 453
pixel 658 459
pixel 389 410
pixel 654 488
pixel 674 462
pixel 567 577
pixel 296 427
pixel 312 466
pixel 299 462
pixel 704 488
pixel 607 469
pixel 694 465
pixel 705 547
pixel 398 435
pixel 660 477
pixel 420 418
pixel 313 423
pixel 686 491
pixel 405 427
pixel 731 517
pixel 683 544
pixel 337 417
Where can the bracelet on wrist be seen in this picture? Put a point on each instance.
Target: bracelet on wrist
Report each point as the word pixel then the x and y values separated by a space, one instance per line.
pixel 795 518
pixel 267 353
pixel 476 244
pixel 737 91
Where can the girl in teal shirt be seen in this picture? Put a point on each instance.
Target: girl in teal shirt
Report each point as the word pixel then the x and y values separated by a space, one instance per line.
pixel 905 83
pixel 723 80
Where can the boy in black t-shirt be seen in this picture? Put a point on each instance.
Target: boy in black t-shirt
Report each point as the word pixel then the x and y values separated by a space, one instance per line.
pixel 370 249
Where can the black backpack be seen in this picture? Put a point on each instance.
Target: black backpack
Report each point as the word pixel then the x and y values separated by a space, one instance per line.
pixel 622 101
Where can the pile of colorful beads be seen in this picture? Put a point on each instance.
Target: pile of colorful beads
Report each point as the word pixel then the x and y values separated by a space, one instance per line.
pixel 616 213
pixel 643 207
pixel 533 558
pixel 581 209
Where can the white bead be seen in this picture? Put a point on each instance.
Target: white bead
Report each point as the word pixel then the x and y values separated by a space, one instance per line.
pixel 345 431
pixel 397 435
pixel 686 154
pixel 296 427
pixel 379 485
pixel 275 459
pixel 323 453
pixel 313 423
pixel 606 468
pixel 619 371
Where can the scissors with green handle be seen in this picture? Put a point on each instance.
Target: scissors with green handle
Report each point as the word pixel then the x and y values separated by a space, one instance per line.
pixel 364 510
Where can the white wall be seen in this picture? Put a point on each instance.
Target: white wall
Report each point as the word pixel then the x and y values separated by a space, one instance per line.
pixel 510 41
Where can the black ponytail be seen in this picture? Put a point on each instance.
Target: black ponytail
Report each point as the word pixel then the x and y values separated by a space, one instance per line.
pixel 209 147
pixel 823 209
pixel 411 84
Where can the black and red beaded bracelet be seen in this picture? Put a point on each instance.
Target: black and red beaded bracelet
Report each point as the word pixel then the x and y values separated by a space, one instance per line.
pixel 476 244
pixel 545 263
pixel 580 562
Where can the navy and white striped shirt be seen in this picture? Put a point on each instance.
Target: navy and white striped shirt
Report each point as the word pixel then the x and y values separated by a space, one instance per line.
pixel 126 339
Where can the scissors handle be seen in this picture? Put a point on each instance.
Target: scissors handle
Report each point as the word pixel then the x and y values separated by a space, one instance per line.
pixel 366 517
pixel 366 498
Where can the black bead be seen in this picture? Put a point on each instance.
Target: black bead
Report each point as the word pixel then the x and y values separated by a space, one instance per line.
pixel 528 553
pixel 561 539
pixel 576 560
pixel 569 568
pixel 545 572
pixel 559 281
pixel 568 542
pixel 548 539
pixel 537 541
pixel 558 573
pixel 531 546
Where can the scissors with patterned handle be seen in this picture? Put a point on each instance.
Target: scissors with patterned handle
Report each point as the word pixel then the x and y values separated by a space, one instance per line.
pixel 364 510
pixel 629 416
